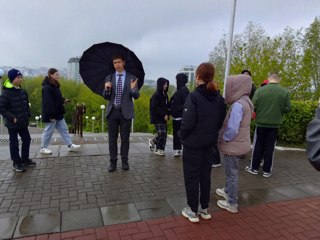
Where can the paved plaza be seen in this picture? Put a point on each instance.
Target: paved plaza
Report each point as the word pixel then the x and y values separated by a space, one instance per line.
pixel 71 195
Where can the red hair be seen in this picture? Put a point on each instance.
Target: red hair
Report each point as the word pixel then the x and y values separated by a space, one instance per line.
pixel 205 72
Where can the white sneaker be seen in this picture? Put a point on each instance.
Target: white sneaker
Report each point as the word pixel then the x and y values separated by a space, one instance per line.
pixel 73 147
pixel 220 192
pixel 159 152
pixel 151 145
pixel 225 205
pixel 177 153
pixel 266 174
pixel 216 165
pixel 45 151
pixel 204 214
pixel 187 213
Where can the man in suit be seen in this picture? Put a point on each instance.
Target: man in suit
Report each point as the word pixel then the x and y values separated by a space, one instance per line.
pixel 120 88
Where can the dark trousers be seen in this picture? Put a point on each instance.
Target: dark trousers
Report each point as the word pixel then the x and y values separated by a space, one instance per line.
pixel 14 144
pixel 161 137
pixel 197 165
pixel 263 147
pixel 117 122
pixel 176 125
pixel 217 158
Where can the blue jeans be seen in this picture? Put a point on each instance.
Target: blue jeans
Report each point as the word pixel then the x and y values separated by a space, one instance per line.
pixel 62 128
pixel 231 169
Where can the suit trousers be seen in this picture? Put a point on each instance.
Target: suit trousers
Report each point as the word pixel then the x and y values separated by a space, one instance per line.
pixel 14 144
pixel 263 147
pixel 176 125
pixel 197 165
pixel 117 122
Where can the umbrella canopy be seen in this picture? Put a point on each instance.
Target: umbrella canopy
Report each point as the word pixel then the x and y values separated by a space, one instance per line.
pixel 96 64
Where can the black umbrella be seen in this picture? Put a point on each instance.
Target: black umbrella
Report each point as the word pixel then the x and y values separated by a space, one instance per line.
pixel 96 64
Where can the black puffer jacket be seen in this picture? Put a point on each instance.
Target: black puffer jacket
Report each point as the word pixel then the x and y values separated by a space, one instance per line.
pixel 179 97
pixel 313 141
pixel 52 102
pixel 14 103
pixel 159 103
pixel 202 118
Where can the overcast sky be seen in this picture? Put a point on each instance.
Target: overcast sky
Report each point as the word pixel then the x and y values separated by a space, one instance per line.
pixel 164 34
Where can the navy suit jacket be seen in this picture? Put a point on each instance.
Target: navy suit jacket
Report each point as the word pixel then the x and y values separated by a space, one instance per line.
pixel 128 95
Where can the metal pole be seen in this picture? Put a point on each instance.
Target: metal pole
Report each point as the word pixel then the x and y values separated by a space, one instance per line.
pixel 102 118
pixel 227 72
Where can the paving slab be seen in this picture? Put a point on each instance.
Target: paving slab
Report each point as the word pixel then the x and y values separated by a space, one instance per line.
pixel 120 214
pixel 177 204
pixel 38 224
pixel 78 219
pixel 7 226
pixel 154 209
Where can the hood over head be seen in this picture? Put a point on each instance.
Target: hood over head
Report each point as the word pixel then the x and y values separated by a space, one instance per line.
pixel 182 80
pixel 160 83
pixel 237 86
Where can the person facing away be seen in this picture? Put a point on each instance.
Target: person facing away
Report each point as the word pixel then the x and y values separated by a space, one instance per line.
pixel 234 138
pixel 120 88
pixel 53 112
pixel 203 115
pixel 253 86
pixel 271 102
pixel 176 104
pixel 14 107
pixel 159 116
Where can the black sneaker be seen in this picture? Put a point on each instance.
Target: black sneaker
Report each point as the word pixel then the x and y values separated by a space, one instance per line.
pixel 18 167
pixel 29 163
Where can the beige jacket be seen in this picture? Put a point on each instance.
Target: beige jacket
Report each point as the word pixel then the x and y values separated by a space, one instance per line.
pixel 238 88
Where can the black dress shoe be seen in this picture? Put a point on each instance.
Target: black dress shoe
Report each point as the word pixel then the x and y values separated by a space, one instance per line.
pixel 125 166
pixel 112 167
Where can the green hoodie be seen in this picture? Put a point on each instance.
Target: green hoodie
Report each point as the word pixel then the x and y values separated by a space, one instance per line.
pixel 270 103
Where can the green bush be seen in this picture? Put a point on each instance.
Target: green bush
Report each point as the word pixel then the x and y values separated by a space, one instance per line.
pixel 293 129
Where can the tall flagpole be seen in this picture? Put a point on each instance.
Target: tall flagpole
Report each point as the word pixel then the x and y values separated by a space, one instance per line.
pixel 227 72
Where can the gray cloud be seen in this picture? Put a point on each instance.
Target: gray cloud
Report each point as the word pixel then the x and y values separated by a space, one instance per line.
pixel 165 34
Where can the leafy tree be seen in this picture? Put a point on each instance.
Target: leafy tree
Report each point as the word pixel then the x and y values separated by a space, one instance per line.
pixel 311 59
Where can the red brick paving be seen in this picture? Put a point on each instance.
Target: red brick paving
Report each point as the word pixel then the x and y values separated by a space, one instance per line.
pixel 286 220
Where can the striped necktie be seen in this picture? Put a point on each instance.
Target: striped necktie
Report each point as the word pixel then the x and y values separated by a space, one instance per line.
pixel 119 90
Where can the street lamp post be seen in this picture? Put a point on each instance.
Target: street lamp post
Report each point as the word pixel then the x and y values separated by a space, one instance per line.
pixel 37 119
pixel 40 120
pixel 102 116
pixel 227 71
pixel 93 118
pixel 87 122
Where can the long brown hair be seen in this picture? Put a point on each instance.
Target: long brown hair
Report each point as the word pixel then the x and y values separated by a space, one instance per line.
pixel 51 80
pixel 205 72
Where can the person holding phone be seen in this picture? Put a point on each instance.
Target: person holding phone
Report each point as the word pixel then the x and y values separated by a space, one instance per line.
pixel 53 112
pixel 121 87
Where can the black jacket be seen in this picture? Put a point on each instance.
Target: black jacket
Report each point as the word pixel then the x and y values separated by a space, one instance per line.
pixel 52 102
pixel 313 141
pixel 14 103
pixel 203 116
pixel 159 103
pixel 179 98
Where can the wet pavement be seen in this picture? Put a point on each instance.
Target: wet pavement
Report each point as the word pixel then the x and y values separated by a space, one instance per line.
pixel 70 191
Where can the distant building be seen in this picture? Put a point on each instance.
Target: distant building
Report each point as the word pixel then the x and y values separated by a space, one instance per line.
pixel 190 71
pixel 73 69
